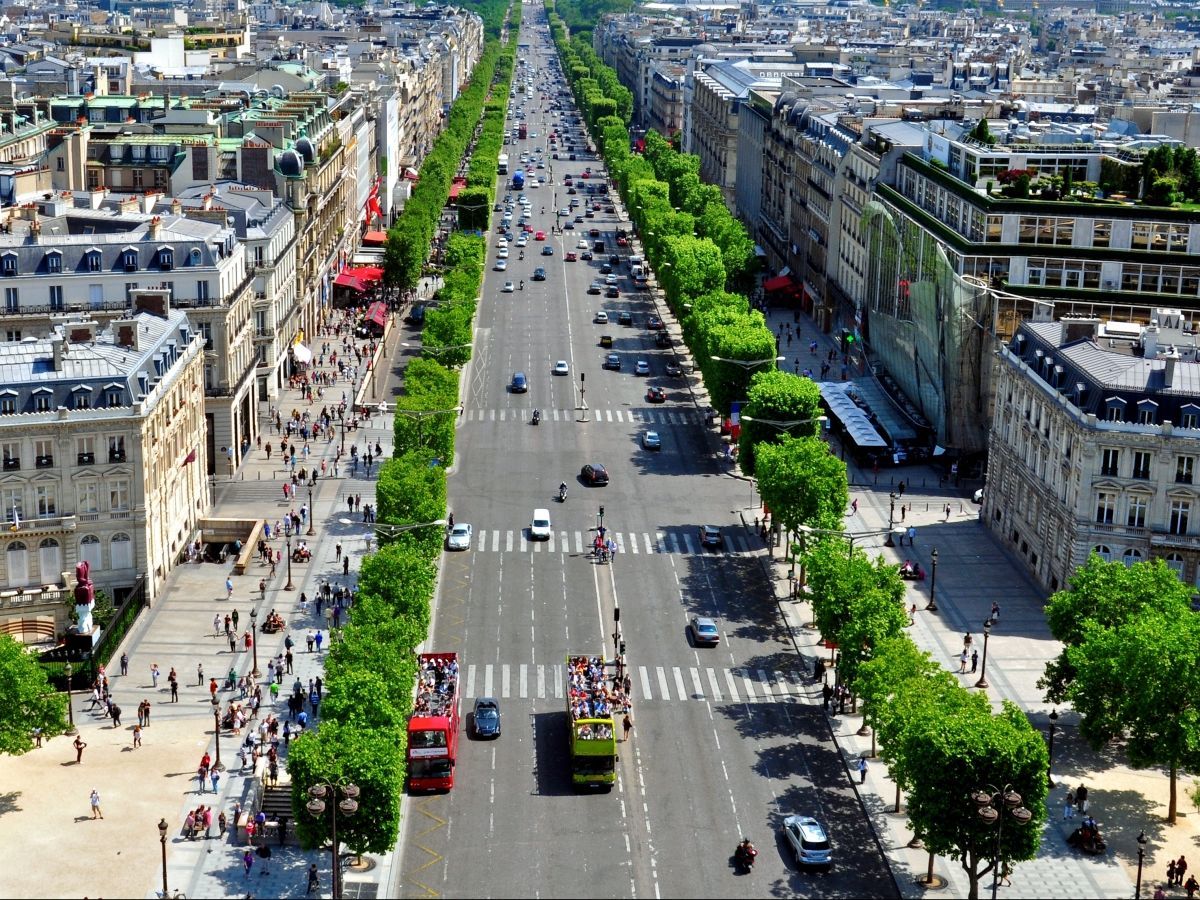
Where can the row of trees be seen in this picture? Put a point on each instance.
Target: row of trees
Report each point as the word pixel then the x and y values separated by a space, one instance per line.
pixel 941 742
pixel 371 668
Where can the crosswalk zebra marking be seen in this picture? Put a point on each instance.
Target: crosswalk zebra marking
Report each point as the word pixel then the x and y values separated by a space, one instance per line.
pixel 714 686
pixel 541 682
pixel 687 540
pixel 524 543
pixel 649 546
pixel 697 690
pixel 470 681
pixel 680 690
pixel 748 686
pixel 487 681
pixel 558 682
pixel 645 676
pixel 633 544
pixel 578 542
pixel 733 691
pixel 620 541
pixel 504 679
pixel 663 691
pixel 524 676
pixel 764 683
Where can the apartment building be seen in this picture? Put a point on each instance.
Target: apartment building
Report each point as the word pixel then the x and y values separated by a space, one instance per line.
pixel 1095 443
pixel 104 460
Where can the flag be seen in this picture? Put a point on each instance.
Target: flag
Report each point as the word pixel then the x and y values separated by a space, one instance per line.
pixel 16 522
pixel 190 458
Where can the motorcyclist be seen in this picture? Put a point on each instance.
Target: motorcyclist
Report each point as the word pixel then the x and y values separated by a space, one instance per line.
pixel 537 416
pixel 522 284
pixel 522 254
pixel 562 490
pixel 745 853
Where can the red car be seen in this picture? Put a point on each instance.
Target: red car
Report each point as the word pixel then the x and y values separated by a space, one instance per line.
pixel 586 175
pixel 654 323
pixel 540 236
pixel 570 257
pixel 656 395
pixel 622 242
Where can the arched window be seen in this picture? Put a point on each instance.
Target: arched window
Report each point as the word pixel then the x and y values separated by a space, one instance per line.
pixel 1103 552
pixel 1131 556
pixel 17 563
pixel 121 550
pixel 90 551
pixel 1175 563
pixel 50 561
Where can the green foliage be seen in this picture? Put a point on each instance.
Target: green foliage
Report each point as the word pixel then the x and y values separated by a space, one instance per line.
pixel 403 579
pixel 474 207
pixel 410 491
pixel 359 699
pixel 781 398
pixel 802 483
pixel 381 647
pixel 372 760
pixel 426 414
pixel 26 700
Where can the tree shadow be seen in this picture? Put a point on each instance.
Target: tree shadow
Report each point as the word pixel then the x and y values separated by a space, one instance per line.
pixel 9 802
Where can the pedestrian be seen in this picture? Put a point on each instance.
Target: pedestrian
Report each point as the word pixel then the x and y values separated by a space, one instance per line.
pixel 115 712
pixel 912 534
pixel 314 882
pixel 947 512
pixel 346 565
pixel 900 489
pixel 216 624
pixel 1069 813
pixel 1180 868
pixel 234 617
pixel 282 830
pixel 974 661
pixel 124 663
pixel 1081 799
pixel 1192 886
pixel 247 863
pixel 232 642
pixel 1171 872
pixel 309 639
pixel 338 548
pixel 854 506
pixel 626 726
pixel 154 675
pixel 288 660
pixel 137 736
pixel 215 777
pixel 862 770
pixel 200 674
pixel 174 691
pixel 826 695
pixel 222 824
pixel 318 639
pixel 208 820
pixel 95 799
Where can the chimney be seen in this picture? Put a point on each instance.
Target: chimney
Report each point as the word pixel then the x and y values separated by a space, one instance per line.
pixel 1150 341
pixel 58 348
pixel 125 333
pixel 81 332
pixel 155 228
pixel 1169 369
pixel 156 301
pixel 176 206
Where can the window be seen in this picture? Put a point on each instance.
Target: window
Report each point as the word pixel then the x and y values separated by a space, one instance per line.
pixel 202 290
pixel 1190 419
pixel 116 448
pixel 129 259
pixel 12 300
pixel 112 397
pixel 137 178
pixel 121 548
pixel 1181 511
pixel 1184 469
pixel 89 551
pixel 93 261
pixel 166 259
pixel 118 495
pixel 9 265
pixel 56 298
pixel 8 405
pixel 86 447
pixel 83 400
pixel 160 178
pixel 1131 556
pixel 1115 411
pixel 1102 232
pixel 12 455
pixel 12 335
pixel 1138 506
pixel 1106 503
pixel 47 500
pixel 54 262
pixel 41 402
pixel 1110 462
pixel 1141 464
pixel 1175 563
pixel 1147 412
pixel 1103 552
pixel 88 494
pixel 43 451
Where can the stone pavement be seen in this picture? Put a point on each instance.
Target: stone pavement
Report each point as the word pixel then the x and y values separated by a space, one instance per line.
pixel 44 810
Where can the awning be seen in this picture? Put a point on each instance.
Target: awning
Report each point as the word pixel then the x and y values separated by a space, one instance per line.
pixel 301 353
pixel 374 239
pixel 377 313
pixel 456 189
pixel 411 174
pixel 346 280
pixel 779 283
pixel 850 414
pixel 365 273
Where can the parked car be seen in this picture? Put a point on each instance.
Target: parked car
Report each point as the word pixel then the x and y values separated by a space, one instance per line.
pixel 459 537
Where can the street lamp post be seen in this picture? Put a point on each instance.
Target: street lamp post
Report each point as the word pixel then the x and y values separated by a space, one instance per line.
pixel 289 586
pixel 71 729
pixel 311 532
pixel 348 806
pixel 987 631
pixel 986 806
pixel 163 828
pixel 1141 840
pixel 932 604
pixel 254 639
pixel 748 364
pixel 216 708
pixel 891 540
pixel 1050 756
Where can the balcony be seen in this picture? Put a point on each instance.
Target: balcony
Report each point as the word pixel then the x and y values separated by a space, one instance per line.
pixel 85 459
pixel 1160 537
pixel 12 463
pixel 44 462
pixel 116 456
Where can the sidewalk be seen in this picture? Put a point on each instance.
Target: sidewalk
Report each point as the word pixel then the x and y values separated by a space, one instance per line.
pixel 48 817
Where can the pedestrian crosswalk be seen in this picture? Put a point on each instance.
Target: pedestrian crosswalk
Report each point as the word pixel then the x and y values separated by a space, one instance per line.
pixel 648 683
pixel 675 541
pixel 662 415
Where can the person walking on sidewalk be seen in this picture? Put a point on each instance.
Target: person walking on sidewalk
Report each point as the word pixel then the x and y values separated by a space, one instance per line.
pixel 1171 872
pixel 95 800
pixel 314 880
pixel 862 770
pixel 626 727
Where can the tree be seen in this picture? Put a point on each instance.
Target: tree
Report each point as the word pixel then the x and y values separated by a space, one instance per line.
pixel 403 578
pixel 951 752
pixel 802 483
pixel 382 647
pixel 27 701
pixel 1140 682
pixel 1106 595
pixel 410 491
pixel 359 699
pixel 372 760
pixel 474 207
pixel 774 400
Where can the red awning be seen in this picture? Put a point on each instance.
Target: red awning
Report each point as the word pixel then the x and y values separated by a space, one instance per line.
pixel 347 280
pixel 780 283
pixel 374 239
pixel 377 313
pixel 364 273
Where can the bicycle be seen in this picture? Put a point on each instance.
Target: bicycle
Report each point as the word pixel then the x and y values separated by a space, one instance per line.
pixel 174 895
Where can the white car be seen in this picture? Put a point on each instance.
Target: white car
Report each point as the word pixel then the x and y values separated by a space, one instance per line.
pixel 459 537
pixel 808 841
pixel 601 318
pixel 508 288
pixel 560 368
pixel 501 265
pixel 521 240
pixel 539 528
pixel 610 279
pixel 581 245
pixel 502 253
pixel 502 242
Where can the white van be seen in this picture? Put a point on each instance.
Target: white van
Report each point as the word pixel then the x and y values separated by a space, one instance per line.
pixel 539 528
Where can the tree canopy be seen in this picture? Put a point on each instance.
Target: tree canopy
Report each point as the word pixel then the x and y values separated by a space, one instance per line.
pixel 27 701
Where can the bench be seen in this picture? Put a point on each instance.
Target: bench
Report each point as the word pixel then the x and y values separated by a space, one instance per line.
pixel 249 549
pixel 239 826
pixel 37 630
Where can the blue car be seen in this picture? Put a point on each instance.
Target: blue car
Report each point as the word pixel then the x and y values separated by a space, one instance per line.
pixel 547 250
pixel 486 718
pixel 520 384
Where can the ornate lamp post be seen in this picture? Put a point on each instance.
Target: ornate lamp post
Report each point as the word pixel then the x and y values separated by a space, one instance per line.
pixel 987 631
pixel 891 540
pixel 992 805
pixel 163 828
pixel 1050 757
pixel 932 604
pixel 348 806
pixel 311 516
pixel 1141 840
pixel 216 708
pixel 289 586
pixel 254 639
pixel 71 729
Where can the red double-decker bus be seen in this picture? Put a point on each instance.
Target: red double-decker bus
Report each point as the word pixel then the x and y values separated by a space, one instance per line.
pixel 433 726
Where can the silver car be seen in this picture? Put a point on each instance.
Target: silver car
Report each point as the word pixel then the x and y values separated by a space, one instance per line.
pixel 459 537
pixel 808 840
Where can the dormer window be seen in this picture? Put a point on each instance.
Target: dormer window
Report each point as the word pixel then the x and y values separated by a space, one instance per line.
pixel 92 260
pixel 129 259
pixel 1147 412
pixel 1114 409
pixel 54 263
pixel 8 265
pixel 166 259
pixel 41 399
pixel 1189 416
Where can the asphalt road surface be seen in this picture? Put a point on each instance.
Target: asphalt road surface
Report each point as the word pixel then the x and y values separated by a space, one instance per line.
pixel 727 741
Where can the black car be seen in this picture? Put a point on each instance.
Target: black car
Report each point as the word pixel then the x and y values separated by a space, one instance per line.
pixel 594 474
pixel 654 323
pixel 673 369
pixel 569 226
pixel 612 292
pixel 612 361
pixel 586 254
pixel 625 318
pixel 539 274
pixel 486 718
pixel 614 259
pixel 416 315
pixel 662 339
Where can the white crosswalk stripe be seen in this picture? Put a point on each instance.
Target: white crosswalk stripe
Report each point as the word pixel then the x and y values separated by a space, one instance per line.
pixel 671 541
pixel 514 416
pixel 659 683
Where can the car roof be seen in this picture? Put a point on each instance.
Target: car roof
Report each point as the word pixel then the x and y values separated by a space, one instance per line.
pixel 705 622
pixel 806 825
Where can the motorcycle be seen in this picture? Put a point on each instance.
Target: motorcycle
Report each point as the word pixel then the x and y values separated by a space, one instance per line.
pixel 522 286
pixel 743 857
pixel 537 417
pixel 562 493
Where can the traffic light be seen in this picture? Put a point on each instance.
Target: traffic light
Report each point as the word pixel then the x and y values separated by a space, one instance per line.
pixel 602 512
pixel 622 647
pixel 582 377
